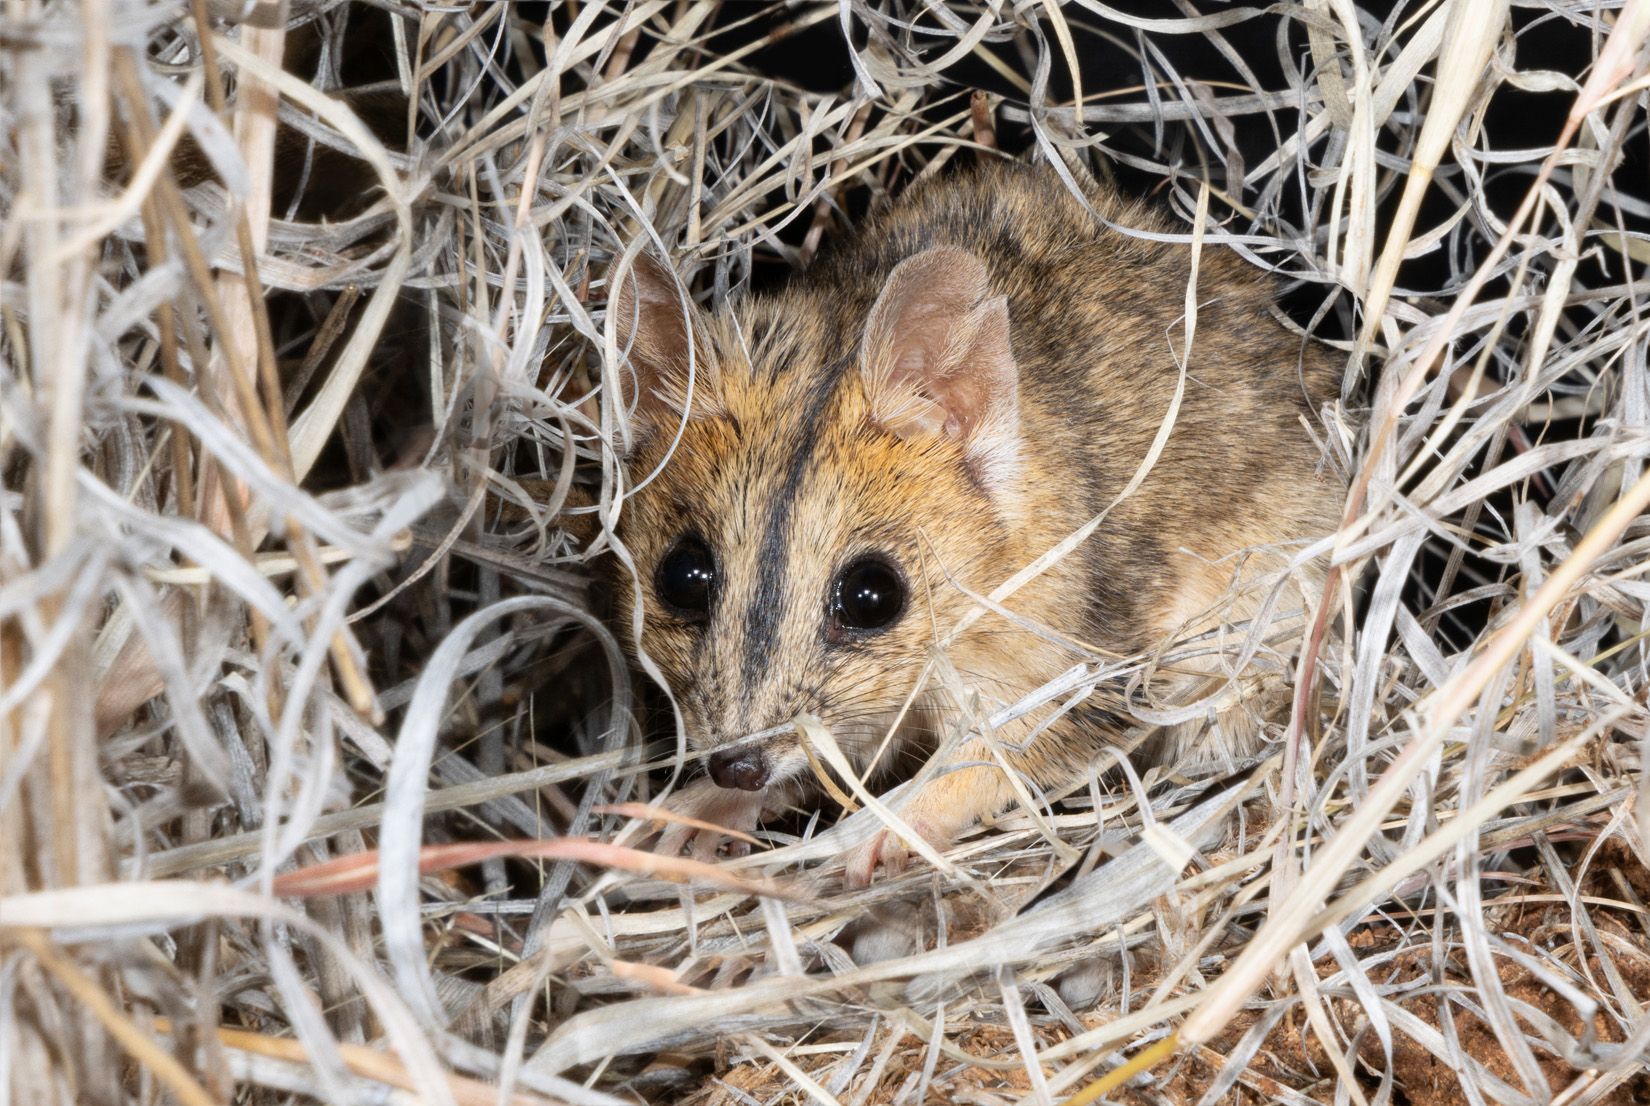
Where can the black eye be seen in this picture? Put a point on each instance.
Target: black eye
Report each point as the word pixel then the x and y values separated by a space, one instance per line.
pixel 869 595
pixel 686 579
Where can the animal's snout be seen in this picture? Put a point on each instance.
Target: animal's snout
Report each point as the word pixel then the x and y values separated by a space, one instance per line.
pixel 745 768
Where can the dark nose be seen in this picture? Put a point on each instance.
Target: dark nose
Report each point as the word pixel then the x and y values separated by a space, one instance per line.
pixel 745 768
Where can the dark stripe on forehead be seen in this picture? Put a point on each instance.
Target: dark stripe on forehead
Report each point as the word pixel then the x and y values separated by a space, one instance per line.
pixel 762 616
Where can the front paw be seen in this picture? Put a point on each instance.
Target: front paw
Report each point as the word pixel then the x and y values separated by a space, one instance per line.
pixel 888 850
pixel 723 813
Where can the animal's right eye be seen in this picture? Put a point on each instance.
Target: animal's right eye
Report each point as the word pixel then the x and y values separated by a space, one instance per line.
pixel 686 580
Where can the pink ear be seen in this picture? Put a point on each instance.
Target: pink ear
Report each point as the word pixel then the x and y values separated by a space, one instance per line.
pixel 656 325
pixel 937 360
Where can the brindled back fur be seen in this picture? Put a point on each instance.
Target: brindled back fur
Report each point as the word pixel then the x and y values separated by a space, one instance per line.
pixel 801 451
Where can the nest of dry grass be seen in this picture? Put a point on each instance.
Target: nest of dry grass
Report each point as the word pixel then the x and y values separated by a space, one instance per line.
pixel 311 737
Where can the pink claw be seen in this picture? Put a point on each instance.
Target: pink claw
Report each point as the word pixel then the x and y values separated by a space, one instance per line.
pixel 884 849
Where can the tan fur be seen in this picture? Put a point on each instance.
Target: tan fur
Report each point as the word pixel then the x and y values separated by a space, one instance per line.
pixel 808 443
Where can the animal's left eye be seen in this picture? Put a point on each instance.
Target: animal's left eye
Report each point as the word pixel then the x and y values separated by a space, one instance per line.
pixel 868 595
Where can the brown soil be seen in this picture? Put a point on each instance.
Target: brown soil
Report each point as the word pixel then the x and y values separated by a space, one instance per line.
pixel 1292 1059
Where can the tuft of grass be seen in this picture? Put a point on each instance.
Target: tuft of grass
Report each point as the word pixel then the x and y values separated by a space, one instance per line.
pixel 318 762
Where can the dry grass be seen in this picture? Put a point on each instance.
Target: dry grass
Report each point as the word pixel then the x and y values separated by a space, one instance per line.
pixel 284 444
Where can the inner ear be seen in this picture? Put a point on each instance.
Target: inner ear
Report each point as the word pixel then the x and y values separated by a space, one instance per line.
pixel 657 326
pixel 937 359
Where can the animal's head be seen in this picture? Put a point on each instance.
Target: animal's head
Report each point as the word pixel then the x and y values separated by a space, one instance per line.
pixel 822 476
